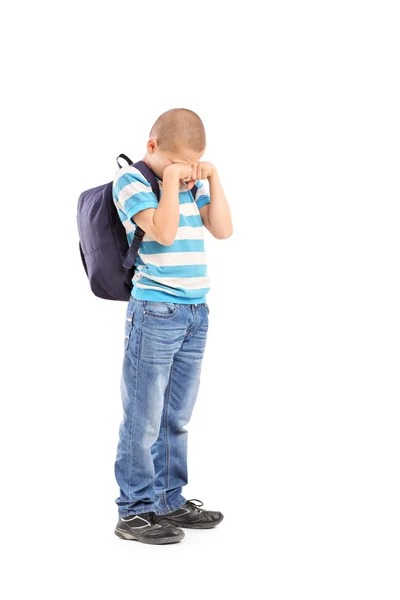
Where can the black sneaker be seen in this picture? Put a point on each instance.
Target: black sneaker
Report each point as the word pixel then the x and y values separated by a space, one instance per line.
pixel 145 528
pixel 191 516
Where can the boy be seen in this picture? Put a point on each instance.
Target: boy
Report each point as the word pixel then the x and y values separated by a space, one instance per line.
pixel 166 327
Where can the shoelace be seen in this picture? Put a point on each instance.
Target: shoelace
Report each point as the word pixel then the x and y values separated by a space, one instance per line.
pixel 192 503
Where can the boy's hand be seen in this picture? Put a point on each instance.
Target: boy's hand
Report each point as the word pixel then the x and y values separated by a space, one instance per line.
pixel 188 174
pixel 200 170
pixel 180 169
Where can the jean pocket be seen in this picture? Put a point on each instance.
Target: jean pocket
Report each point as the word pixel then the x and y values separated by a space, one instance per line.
pixel 207 307
pixel 128 328
pixel 160 310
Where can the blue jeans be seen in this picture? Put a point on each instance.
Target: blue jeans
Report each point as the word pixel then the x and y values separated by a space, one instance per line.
pixel 163 352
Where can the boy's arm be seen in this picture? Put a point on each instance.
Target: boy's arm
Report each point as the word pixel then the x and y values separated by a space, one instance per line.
pixel 162 223
pixel 136 201
pixel 216 215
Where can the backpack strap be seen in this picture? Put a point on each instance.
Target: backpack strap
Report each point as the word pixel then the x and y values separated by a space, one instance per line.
pixel 139 233
pixel 125 157
pixel 149 175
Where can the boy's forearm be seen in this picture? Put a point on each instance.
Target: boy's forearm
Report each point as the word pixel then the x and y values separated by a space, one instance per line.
pixel 219 214
pixel 166 216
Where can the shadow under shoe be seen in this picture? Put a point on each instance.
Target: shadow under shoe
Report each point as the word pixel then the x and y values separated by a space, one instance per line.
pixel 145 528
pixel 192 516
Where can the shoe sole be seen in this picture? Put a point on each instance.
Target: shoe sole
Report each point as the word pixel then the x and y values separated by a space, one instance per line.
pixel 125 535
pixel 195 525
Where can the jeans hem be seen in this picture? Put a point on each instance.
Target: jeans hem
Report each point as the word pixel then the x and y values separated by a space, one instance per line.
pixel 172 508
pixel 140 511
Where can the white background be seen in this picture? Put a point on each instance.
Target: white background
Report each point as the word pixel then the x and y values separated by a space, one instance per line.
pixel 295 434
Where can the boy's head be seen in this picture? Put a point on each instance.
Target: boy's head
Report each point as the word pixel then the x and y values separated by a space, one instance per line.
pixel 178 135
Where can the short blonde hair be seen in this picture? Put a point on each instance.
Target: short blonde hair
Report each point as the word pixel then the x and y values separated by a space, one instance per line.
pixel 179 128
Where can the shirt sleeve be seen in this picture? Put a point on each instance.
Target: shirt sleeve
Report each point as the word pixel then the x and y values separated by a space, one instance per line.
pixel 202 196
pixel 132 193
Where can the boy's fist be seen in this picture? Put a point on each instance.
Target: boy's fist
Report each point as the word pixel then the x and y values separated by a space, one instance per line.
pixel 188 174
pixel 180 169
pixel 200 170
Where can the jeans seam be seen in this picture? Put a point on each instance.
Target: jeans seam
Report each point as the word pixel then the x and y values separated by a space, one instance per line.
pixel 162 317
pixel 167 448
pixel 128 337
pixel 134 419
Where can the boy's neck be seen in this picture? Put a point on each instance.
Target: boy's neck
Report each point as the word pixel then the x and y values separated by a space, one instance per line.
pixel 145 160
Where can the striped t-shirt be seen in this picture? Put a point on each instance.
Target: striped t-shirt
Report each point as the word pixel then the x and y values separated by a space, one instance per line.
pixel 176 273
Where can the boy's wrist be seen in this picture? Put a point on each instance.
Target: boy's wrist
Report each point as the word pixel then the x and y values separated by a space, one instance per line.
pixel 171 175
pixel 214 175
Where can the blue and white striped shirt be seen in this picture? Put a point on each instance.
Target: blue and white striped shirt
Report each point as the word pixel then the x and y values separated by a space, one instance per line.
pixel 176 273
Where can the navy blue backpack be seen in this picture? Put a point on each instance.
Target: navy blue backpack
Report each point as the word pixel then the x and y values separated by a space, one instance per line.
pixel 106 256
